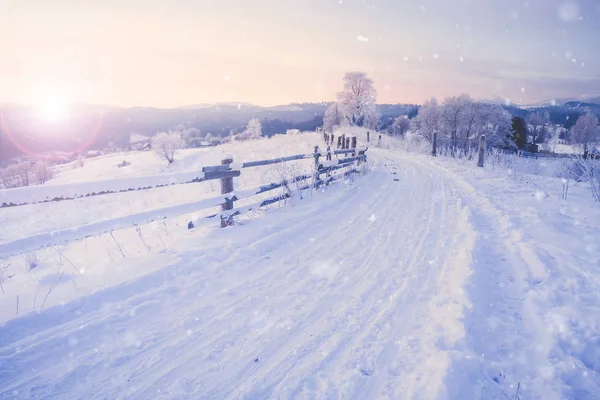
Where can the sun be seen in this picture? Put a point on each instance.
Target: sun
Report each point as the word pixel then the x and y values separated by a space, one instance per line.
pixel 52 107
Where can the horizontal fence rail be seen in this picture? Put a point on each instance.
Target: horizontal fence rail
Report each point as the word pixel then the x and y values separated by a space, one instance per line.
pixel 60 237
pixel 48 193
pixel 53 193
pixel 327 168
pixel 324 173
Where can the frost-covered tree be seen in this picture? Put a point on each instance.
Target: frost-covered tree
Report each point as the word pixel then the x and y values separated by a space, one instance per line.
pixel 17 175
pixel 463 121
pixel 334 117
pixel 191 136
pixel 494 122
pixel 427 123
pixel 400 126
pixel 42 172
pixel 458 118
pixel 254 129
pixel 537 127
pixel 358 99
pixel 165 144
pixel 460 121
pixel 216 140
pixel 371 117
pixel 585 133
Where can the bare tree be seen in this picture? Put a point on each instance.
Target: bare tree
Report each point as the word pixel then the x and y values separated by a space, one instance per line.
pixel 589 170
pixel 25 173
pixel 537 127
pixel 17 175
pixel 358 99
pixel 400 126
pixel 334 117
pixel 569 169
pixel 8 177
pixel 42 172
pixel 165 145
pixel 585 133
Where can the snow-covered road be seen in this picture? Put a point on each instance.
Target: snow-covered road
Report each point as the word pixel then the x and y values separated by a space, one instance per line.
pixel 405 284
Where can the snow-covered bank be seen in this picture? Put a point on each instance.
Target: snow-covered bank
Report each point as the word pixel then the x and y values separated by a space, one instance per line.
pixel 554 301
pixel 534 322
pixel 25 221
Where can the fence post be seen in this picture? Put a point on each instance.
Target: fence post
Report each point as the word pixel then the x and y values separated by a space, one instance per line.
pixel 347 143
pixel 344 141
pixel 339 143
pixel 226 188
pixel 353 144
pixel 316 173
pixel 331 140
pixel 481 159
pixel 434 145
pixel 368 137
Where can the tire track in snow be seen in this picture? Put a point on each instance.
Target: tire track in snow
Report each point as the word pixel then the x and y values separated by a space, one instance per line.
pixel 342 334
pixel 220 339
pixel 362 316
pixel 391 377
pixel 322 311
pixel 95 321
pixel 505 311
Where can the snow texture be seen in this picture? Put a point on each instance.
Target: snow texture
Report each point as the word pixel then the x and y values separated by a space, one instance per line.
pixel 423 279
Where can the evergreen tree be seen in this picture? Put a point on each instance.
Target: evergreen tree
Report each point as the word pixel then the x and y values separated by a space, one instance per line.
pixel 518 132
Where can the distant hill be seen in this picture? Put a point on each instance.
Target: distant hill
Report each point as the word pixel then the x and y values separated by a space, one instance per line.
pixel 567 113
pixel 216 105
pixel 93 127
pixel 591 98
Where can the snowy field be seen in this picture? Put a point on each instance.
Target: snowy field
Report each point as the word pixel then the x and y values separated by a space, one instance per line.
pixel 425 278
pixel 29 220
pixel 86 263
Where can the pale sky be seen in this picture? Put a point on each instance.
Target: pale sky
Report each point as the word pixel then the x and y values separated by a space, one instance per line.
pixel 172 53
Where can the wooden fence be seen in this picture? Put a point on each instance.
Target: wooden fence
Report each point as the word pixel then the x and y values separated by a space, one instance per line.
pixel 325 171
pixel 343 142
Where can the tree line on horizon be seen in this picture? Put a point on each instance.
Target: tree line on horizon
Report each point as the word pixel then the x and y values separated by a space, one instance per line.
pixel 458 121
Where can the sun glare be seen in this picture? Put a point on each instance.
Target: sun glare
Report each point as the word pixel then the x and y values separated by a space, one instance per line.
pixel 52 108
